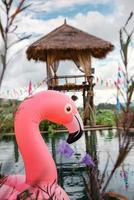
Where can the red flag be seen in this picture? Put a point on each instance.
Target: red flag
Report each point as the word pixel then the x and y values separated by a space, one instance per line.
pixel 119 68
pixel 115 83
pixel 30 88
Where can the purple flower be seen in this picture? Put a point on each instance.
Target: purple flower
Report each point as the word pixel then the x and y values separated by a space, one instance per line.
pixel 87 160
pixel 64 149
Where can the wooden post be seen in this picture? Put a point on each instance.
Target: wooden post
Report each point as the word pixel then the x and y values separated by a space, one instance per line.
pixel 90 95
pixel 90 140
pixel 49 80
pixel 88 105
pixel 84 95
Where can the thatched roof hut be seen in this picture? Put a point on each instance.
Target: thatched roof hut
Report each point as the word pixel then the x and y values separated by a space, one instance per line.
pixel 65 42
pixel 68 43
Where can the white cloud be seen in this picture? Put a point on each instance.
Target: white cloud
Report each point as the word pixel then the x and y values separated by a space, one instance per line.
pixel 97 24
pixel 124 7
pixel 105 96
pixel 20 71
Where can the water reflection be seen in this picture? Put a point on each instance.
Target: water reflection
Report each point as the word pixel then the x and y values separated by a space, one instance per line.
pixel 102 145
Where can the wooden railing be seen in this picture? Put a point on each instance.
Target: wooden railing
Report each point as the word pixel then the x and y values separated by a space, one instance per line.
pixel 69 85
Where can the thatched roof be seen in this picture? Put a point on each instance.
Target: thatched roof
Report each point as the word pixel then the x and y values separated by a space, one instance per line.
pixel 65 41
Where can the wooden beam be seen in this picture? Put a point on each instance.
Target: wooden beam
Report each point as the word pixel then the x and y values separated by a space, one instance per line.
pixel 86 128
pixel 69 87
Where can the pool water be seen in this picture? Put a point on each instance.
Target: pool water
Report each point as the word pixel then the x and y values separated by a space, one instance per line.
pixel 70 170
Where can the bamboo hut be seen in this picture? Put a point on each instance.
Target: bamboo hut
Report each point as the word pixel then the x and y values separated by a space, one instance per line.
pixel 69 43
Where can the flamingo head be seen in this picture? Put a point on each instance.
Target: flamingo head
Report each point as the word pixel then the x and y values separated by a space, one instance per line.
pixel 62 110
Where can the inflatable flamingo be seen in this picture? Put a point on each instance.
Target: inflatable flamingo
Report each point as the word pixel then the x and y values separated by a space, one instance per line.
pixel 40 181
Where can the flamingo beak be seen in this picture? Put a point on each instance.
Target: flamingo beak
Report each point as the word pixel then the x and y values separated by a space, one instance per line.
pixel 75 128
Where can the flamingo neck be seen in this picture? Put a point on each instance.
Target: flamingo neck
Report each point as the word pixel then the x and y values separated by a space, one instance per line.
pixel 39 164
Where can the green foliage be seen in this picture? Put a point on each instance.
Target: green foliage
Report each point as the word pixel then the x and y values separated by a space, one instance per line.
pixel 48 126
pixel 6 123
pixel 106 106
pixel 6 117
pixel 105 117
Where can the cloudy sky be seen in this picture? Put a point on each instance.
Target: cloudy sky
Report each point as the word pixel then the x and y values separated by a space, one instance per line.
pixel 102 18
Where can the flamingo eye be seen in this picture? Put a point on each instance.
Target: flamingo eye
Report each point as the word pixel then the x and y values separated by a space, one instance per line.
pixel 68 108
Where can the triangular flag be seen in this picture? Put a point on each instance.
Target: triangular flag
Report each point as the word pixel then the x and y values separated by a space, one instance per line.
pixel 30 88
pixel 118 105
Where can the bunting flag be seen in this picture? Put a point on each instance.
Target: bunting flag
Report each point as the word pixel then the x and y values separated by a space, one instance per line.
pixel 118 85
pixel 118 105
pixel 30 88
pixel 15 92
pixel 119 73
pixel 99 81
pixel 109 83
pixel 124 176
pixel 119 77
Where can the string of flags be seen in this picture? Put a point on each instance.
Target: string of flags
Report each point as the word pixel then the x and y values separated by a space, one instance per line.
pixel 99 82
pixel 118 82
pixel 24 91
pixel 109 83
pixel 121 83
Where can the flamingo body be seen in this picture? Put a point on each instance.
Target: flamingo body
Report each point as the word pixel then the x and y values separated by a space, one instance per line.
pixel 15 186
pixel 41 174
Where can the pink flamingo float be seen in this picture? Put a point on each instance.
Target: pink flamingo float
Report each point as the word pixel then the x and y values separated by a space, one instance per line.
pixel 40 181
